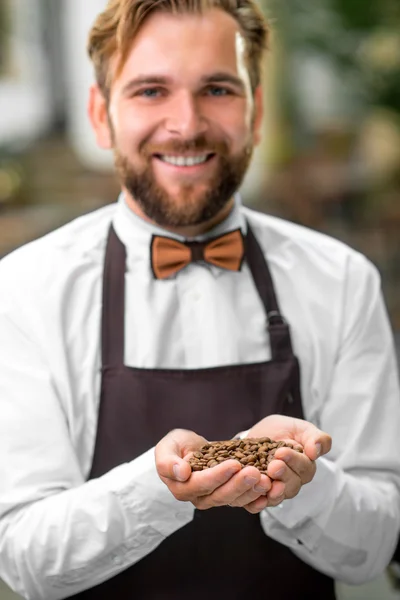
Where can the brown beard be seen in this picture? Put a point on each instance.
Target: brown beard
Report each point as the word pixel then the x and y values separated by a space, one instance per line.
pixel 165 210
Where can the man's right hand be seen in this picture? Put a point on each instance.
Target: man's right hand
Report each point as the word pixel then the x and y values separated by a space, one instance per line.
pixel 226 484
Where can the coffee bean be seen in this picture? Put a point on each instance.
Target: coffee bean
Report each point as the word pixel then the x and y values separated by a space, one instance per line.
pixel 249 452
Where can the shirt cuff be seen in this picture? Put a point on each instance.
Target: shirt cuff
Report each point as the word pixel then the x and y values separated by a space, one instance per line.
pixel 241 435
pixel 312 500
pixel 145 498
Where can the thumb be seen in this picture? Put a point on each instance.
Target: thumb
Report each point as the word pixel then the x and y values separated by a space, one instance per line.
pixel 316 443
pixel 172 449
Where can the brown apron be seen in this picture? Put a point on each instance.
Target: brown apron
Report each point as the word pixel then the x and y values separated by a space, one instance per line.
pixel 224 551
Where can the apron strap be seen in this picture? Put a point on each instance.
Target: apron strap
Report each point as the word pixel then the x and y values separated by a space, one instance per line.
pixel 281 346
pixel 113 319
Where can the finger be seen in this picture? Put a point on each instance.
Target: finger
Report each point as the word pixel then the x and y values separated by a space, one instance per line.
pixel 276 501
pixel 277 493
pixel 315 442
pixel 204 483
pixel 281 472
pixel 257 506
pixel 318 445
pixel 243 482
pixel 170 452
pixel 259 490
pixel 299 463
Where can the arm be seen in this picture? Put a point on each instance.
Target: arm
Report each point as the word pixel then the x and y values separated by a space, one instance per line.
pixel 59 534
pixel 346 521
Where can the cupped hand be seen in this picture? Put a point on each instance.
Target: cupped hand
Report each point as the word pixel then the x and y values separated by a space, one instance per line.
pixel 225 484
pixel 290 470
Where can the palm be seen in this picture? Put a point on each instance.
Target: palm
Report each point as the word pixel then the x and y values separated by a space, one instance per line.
pixel 282 428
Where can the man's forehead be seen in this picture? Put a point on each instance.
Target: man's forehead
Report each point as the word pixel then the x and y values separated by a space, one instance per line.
pixel 188 44
pixel 215 21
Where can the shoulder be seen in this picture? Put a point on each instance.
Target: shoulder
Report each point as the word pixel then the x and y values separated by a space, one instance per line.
pixel 39 266
pixel 310 251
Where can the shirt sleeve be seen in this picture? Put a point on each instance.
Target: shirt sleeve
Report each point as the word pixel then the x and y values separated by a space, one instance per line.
pixel 59 534
pixel 345 523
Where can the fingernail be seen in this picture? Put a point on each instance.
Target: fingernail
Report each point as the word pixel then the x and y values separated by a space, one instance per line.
pixel 318 448
pixel 280 472
pixel 177 472
pixel 250 480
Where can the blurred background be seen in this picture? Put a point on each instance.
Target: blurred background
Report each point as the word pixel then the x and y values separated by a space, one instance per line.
pixel 330 159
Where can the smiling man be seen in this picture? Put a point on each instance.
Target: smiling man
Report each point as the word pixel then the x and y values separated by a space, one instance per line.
pixel 132 335
pixel 180 116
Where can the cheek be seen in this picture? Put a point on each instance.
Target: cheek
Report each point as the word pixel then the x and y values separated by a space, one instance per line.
pixel 232 121
pixel 239 132
pixel 130 128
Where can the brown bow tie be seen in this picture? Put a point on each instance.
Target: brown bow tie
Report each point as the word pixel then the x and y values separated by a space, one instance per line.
pixel 168 256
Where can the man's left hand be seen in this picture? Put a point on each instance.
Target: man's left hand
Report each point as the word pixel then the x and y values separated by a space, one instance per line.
pixel 290 469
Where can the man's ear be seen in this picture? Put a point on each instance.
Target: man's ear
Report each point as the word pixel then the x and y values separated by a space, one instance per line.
pixel 98 115
pixel 258 114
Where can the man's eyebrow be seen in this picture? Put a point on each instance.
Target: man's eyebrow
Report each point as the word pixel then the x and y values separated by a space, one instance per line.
pixel 222 77
pixel 145 80
pixel 219 77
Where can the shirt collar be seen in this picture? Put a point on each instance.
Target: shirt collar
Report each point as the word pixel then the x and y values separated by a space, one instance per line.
pixel 136 233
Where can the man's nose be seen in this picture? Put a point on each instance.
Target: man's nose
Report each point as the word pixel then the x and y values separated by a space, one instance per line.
pixel 185 117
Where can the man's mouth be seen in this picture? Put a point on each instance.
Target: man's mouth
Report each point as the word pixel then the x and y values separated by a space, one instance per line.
pixel 185 161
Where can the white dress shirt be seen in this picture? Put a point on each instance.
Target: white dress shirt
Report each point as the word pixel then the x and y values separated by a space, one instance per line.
pixel 60 534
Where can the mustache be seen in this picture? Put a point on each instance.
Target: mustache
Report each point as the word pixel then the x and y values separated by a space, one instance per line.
pixel 199 144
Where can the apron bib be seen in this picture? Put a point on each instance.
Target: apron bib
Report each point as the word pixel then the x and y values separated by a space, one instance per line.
pixel 224 551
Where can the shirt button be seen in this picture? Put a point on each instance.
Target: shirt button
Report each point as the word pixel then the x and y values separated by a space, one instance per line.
pixel 117 560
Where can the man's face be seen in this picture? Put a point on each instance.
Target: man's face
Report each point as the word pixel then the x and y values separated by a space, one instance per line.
pixel 181 117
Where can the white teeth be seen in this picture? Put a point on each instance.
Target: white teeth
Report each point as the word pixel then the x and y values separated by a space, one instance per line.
pixel 184 161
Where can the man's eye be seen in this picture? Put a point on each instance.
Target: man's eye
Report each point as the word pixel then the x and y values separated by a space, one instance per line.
pixel 218 91
pixel 149 93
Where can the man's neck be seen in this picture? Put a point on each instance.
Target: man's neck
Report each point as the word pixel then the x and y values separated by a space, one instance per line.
pixel 189 231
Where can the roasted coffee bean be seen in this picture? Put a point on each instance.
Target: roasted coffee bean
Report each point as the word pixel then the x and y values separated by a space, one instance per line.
pixel 249 452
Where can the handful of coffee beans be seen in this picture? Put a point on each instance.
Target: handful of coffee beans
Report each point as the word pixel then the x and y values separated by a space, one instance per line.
pixel 250 452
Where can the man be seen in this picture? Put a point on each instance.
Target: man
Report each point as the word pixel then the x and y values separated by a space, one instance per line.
pixel 134 334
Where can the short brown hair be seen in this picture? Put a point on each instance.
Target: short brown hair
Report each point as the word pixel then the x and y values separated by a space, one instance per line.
pixel 114 29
